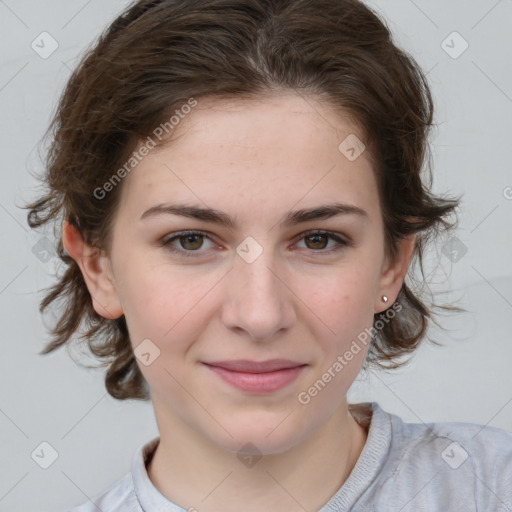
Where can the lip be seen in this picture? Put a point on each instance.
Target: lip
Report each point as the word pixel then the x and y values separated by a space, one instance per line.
pixel 257 377
pixel 247 366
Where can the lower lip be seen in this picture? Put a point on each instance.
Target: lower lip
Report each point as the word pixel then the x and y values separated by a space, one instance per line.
pixel 258 382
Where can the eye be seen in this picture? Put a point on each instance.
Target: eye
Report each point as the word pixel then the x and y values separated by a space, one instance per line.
pixel 317 241
pixel 190 242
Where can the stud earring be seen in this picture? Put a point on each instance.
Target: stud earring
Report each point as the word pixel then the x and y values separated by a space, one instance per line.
pixel 384 298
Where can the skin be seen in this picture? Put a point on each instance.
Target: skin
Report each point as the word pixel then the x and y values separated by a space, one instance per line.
pixel 255 161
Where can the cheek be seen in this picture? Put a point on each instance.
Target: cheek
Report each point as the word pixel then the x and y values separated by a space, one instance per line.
pixel 164 303
pixel 342 303
pixel 171 309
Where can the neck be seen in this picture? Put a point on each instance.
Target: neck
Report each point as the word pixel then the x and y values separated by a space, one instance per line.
pixel 200 476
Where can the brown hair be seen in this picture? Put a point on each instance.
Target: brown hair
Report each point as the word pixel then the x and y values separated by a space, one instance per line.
pixel 160 53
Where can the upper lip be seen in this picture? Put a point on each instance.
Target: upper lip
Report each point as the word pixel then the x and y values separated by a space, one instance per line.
pixel 244 365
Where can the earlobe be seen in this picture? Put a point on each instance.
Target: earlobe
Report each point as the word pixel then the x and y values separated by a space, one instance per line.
pixel 96 271
pixel 393 273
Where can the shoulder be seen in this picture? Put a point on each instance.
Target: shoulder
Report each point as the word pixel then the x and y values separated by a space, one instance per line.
pixel 118 497
pixel 451 466
pixel 486 448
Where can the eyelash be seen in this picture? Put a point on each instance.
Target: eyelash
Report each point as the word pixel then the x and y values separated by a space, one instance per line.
pixel 166 242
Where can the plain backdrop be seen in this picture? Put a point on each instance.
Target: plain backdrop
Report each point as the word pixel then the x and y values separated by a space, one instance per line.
pixel 92 437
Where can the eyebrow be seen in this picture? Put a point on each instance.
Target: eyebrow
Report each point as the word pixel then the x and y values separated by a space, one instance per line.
pixel 220 218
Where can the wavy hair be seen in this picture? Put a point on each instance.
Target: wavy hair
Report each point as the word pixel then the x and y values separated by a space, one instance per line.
pixel 160 53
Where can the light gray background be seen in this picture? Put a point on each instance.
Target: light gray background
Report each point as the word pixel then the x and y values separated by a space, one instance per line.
pixel 49 398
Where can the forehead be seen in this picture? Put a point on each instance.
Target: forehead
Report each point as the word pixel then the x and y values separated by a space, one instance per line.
pixel 273 121
pixel 281 149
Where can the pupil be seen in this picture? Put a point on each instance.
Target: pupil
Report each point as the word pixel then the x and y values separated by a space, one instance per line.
pixel 316 237
pixel 189 238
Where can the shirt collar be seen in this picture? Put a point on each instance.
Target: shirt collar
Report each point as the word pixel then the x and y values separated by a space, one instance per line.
pixel 371 459
pixel 149 496
pixel 368 465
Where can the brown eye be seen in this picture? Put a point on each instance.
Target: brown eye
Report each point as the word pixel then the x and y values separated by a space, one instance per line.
pixel 187 243
pixel 191 242
pixel 318 241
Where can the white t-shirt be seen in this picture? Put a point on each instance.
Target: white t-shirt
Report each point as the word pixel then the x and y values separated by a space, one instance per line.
pixel 403 467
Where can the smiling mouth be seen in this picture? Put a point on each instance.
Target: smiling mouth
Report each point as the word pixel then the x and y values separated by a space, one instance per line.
pixel 247 366
pixel 257 377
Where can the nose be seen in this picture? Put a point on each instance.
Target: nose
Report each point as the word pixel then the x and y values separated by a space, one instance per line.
pixel 258 298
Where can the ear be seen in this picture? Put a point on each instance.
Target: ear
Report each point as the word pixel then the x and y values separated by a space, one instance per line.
pixel 393 273
pixel 96 270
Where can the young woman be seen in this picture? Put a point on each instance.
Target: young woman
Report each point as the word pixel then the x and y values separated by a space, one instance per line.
pixel 241 195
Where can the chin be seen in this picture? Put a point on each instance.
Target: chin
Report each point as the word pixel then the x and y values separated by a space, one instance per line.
pixel 260 438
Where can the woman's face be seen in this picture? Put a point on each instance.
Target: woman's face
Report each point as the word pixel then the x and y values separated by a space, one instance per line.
pixel 253 284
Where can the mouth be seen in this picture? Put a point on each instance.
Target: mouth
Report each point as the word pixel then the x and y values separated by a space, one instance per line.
pixel 255 376
pixel 246 366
